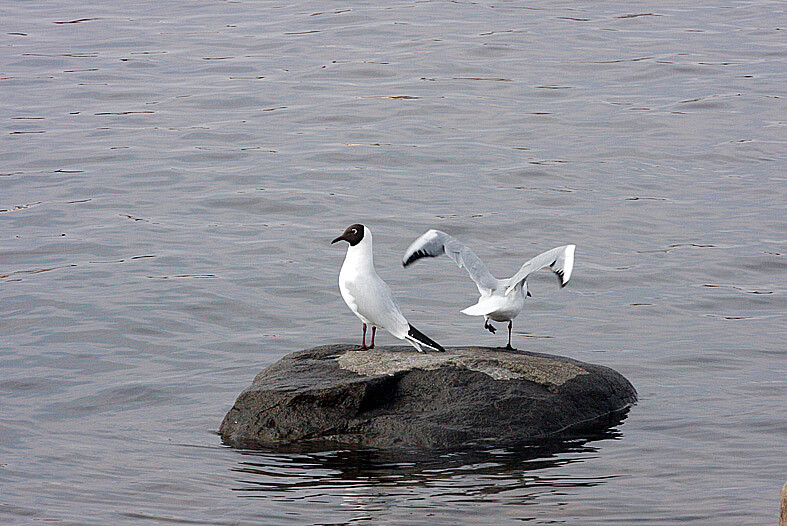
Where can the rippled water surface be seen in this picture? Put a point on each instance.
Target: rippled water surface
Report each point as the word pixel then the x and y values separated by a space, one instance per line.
pixel 171 175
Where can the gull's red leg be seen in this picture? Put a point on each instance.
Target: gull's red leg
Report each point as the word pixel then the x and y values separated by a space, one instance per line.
pixel 363 346
pixel 374 330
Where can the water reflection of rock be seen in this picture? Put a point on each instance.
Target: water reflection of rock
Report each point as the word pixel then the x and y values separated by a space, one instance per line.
pixel 304 469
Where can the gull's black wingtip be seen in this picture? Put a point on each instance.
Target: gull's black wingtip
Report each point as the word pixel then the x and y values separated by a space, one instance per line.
pixel 415 256
pixel 424 339
pixel 409 260
pixel 560 274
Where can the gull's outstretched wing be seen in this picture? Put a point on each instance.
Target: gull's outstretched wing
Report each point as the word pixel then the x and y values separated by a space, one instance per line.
pixel 434 243
pixel 560 260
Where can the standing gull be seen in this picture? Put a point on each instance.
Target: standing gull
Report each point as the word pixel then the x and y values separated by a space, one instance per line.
pixel 501 299
pixel 369 297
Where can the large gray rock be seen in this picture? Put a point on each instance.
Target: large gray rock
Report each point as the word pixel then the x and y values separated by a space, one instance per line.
pixel 397 397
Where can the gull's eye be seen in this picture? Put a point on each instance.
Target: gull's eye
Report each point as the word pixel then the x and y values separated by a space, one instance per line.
pixel 354 231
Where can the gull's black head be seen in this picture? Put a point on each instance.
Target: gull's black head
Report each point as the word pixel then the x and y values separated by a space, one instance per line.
pixel 353 235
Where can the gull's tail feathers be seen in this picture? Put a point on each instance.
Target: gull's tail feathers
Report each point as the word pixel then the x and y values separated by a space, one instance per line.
pixel 479 309
pixel 486 305
pixel 416 338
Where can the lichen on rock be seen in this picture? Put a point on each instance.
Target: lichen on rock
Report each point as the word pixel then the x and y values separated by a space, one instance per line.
pixel 499 365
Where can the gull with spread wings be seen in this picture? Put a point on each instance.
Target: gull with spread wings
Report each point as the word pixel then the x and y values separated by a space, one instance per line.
pixel 501 299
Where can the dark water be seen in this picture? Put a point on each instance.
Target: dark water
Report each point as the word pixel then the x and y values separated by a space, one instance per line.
pixel 171 176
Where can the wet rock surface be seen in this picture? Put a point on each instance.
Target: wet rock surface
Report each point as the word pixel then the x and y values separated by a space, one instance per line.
pixel 396 397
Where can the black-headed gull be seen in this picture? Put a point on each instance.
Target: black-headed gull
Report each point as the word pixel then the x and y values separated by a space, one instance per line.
pixel 501 299
pixel 369 297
